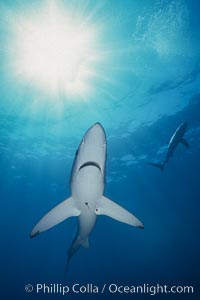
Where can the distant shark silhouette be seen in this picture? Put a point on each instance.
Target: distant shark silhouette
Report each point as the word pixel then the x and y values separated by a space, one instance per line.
pixel 177 138
pixel 87 187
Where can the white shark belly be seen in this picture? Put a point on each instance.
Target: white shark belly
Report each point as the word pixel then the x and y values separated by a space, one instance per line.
pixel 87 186
pixel 87 222
pixel 87 189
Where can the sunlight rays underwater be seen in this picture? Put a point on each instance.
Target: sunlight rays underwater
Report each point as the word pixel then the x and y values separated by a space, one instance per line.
pixel 123 50
pixel 141 78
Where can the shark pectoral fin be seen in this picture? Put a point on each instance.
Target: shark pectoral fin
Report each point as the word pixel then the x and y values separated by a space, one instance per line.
pixel 85 243
pixel 62 211
pixel 115 211
pixel 185 143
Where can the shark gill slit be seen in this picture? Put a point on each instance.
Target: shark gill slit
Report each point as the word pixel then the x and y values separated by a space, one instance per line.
pixel 90 163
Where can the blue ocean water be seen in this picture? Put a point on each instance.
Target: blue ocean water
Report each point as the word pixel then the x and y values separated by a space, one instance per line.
pixel 146 84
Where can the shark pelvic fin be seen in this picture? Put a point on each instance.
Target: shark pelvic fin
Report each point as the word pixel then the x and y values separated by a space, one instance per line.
pixel 62 211
pixel 185 143
pixel 115 211
pixel 157 165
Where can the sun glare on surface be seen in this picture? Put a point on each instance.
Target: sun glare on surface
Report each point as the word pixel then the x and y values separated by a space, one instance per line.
pixel 53 52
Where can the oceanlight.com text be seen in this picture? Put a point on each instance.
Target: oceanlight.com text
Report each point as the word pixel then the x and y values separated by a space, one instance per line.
pixel 76 288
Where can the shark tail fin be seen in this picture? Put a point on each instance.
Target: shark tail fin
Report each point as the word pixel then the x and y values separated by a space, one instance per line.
pixel 62 211
pixel 75 245
pixel 157 165
pixel 115 211
pixel 67 265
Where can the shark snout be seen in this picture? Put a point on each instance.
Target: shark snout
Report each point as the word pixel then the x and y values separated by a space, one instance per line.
pixel 97 125
pixel 184 125
pixel 98 128
pixel 96 134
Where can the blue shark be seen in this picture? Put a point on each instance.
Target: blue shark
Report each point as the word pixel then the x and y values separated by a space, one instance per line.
pixel 177 138
pixel 87 201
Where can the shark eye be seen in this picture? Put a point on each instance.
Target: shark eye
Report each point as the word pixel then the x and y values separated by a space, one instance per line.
pixel 86 203
pixel 97 209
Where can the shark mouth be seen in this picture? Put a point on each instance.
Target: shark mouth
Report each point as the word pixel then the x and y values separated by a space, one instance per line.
pixel 90 163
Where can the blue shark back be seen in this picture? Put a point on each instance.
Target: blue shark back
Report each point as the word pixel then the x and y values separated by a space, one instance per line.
pixel 175 140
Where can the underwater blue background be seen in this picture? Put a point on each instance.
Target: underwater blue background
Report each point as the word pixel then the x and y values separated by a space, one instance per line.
pixel 148 85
